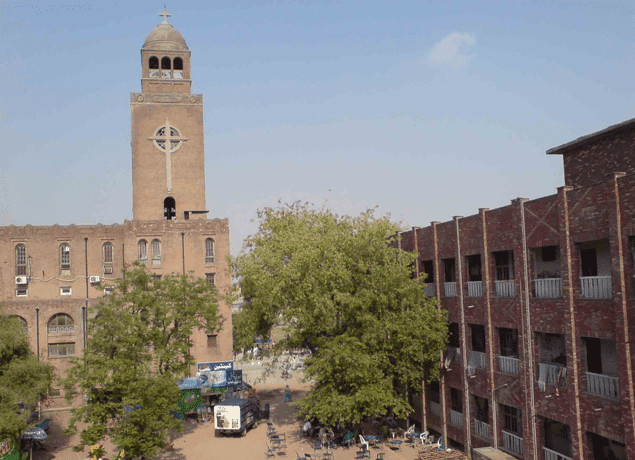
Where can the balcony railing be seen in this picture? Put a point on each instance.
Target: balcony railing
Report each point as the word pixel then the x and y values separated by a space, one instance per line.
pixel 429 290
pixel 475 289
pixel 513 443
pixel 553 374
pixel 603 385
pixel 54 329
pixel 450 289
pixel 481 429
pixel 553 455
pixel 596 287
pixel 508 365
pixel 478 359
pixel 436 409
pixel 548 288
pixel 505 288
pixel 456 418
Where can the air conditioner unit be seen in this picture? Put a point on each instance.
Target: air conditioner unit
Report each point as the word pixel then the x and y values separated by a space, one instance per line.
pixel 21 280
pixel 94 279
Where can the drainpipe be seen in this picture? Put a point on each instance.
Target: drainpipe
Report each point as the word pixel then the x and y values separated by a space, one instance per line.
pixel 183 250
pixel 37 330
pixel 86 304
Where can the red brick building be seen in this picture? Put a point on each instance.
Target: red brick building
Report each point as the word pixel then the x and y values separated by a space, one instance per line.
pixel 540 296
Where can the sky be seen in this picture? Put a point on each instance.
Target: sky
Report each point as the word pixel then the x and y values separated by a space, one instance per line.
pixel 425 109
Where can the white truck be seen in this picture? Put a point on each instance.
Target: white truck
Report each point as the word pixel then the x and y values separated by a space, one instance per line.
pixel 235 415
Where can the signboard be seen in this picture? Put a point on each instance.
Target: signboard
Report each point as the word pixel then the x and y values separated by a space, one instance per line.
pixel 235 378
pixel 218 366
pixel 8 450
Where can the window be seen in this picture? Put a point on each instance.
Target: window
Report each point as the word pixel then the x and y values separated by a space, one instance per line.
pixel 153 63
pixel 62 349
pixel 549 253
pixel 25 330
pixel 210 277
pixel 65 256
pixel 107 253
pixel 478 337
pixel 66 290
pixel 212 340
pixel 427 266
pixel 481 409
pixel 20 260
pixel 156 252
pixel 209 251
pixel 504 261
pixel 449 270
pixel 55 392
pixel 434 392
pixel 558 437
pixel 454 337
pixel 474 268
pixel 22 292
pixel 512 420
pixel 165 63
pixel 169 208
pixel 178 63
pixel 143 250
pixel 61 322
pixel 456 400
pixel 508 342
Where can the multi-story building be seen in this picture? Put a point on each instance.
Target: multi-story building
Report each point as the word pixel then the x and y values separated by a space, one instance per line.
pixel 49 275
pixel 541 299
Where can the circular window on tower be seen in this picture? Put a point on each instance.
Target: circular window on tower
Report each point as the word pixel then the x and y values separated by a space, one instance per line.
pixel 161 138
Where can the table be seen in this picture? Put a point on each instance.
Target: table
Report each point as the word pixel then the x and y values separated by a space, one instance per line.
pixel 396 444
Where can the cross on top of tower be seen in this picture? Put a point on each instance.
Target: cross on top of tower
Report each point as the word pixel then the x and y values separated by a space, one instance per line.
pixel 165 15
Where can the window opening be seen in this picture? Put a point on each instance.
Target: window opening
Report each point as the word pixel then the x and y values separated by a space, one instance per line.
pixel 20 260
pixel 143 250
pixel 61 322
pixel 589 262
pixel 508 342
pixel 557 437
pixel 156 251
pixel 456 400
pixel 549 253
pixel 512 420
pixel 107 253
pixel 481 406
pixel 178 63
pixel 474 268
pixel 427 266
pixel 449 268
pixel 169 208
pixel 61 349
pixel 153 62
pixel 478 337
pixel 66 290
pixel 209 251
pixel 65 256
pixel 434 392
pixel 453 341
pixel 210 277
pixel 504 261
pixel 165 63
pixel 212 340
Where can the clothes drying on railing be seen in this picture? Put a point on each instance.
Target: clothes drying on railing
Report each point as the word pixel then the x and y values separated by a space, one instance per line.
pixel 542 378
pixel 452 353
pixel 561 373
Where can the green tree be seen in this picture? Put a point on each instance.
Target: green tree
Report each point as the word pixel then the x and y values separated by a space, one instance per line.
pixel 347 293
pixel 138 347
pixel 23 379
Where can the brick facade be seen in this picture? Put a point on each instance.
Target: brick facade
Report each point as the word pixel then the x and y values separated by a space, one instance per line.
pixel 55 263
pixel 557 271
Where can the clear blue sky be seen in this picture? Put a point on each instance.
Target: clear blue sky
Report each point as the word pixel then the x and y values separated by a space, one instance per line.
pixel 426 109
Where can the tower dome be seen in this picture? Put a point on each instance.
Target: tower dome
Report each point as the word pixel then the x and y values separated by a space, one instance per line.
pixel 165 37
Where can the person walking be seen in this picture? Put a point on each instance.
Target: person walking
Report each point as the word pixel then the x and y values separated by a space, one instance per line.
pixel 287 394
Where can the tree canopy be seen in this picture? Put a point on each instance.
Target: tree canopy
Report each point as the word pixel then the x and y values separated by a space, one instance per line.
pixel 346 292
pixel 138 347
pixel 23 379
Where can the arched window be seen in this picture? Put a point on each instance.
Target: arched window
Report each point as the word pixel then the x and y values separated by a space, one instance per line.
pixel 165 63
pixel 20 260
pixel 169 208
pixel 25 330
pixel 65 256
pixel 178 63
pixel 153 63
pixel 143 250
pixel 61 322
pixel 108 253
pixel 156 252
pixel 209 251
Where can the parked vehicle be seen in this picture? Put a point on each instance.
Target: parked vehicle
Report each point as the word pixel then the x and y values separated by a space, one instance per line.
pixel 235 415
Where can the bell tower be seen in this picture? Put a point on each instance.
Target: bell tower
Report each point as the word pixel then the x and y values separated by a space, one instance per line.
pixel 168 156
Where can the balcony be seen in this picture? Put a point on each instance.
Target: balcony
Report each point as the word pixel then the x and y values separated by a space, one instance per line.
pixel 505 288
pixel 603 385
pixel 456 418
pixel 596 287
pixel 513 443
pixel 475 289
pixel 553 455
pixel 478 359
pixel 450 289
pixel 481 429
pixel 429 289
pixel 508 365
pixel 548 288
pixel 552 374
pixel 436 409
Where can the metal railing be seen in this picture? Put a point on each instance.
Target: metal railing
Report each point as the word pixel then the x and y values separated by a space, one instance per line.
pixel 481 429
pixel 552 373
pixel 508 365
pixel 513 443
pixel 548 288
pixel 456 418
pixel 603 385
pixel 596 287
pixel 450 289
pixel 475 289
pixel 53 329
pixel 478 359
pixel 505 288
pixel 436 409
pixel 429 289
pixel 553 455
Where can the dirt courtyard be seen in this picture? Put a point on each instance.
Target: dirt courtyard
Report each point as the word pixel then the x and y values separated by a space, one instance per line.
pixel 197 441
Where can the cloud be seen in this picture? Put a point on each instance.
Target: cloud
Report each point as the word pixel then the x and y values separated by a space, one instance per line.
pixel 446 52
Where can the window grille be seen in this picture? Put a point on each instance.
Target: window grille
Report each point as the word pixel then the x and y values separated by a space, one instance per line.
pixel 107 253
pixel 209 251
pixel 210 277
pixel 62 349
pixel 65 256
pixel 61 322
pixel 143 250
pixel 156 252
pixel 20 260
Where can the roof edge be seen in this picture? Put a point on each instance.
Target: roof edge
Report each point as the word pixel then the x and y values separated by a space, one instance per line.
pixel 561 149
